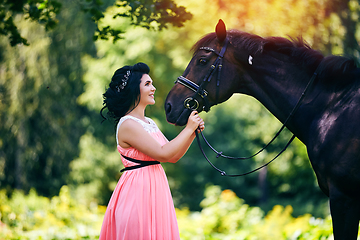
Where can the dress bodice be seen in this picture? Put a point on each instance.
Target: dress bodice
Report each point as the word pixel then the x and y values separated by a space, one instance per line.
pixel 150 127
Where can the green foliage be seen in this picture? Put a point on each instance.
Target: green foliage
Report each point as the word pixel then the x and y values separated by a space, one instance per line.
pixel 93 178
pixel 42 11
pixel 35 217
pixel 40 118
pixel 148 14
pixel 223 216
pixel 144 13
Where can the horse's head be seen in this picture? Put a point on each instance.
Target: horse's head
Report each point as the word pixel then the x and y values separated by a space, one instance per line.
pixel 207 80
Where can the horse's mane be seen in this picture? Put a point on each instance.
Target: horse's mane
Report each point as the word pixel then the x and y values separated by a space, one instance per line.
pixel 297 49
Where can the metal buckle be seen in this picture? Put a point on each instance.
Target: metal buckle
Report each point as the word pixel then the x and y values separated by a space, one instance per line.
pixel 191 103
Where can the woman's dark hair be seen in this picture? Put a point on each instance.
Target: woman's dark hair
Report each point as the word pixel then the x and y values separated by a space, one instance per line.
pixel 123 94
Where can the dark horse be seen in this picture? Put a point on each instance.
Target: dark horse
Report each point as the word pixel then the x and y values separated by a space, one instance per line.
pixel 276 72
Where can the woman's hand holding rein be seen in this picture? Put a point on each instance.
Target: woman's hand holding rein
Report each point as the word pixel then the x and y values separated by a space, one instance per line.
pixel 195 122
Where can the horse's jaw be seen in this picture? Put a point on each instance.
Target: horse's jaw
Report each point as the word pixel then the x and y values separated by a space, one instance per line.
pixel 179 120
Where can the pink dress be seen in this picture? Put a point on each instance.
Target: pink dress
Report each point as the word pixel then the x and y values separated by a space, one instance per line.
pixel 141 206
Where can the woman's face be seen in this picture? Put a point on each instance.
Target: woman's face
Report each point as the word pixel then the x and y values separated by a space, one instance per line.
pixel 147 90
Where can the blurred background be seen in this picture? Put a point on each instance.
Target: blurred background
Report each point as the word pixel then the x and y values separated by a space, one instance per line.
pixel 51 135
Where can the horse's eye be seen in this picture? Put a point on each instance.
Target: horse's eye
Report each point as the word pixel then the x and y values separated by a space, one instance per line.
pixel 202 61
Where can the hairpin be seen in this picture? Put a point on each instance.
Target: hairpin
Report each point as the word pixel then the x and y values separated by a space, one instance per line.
pixel 123 83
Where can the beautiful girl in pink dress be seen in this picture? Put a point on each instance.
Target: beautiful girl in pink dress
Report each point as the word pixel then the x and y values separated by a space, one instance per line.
pixel 141 206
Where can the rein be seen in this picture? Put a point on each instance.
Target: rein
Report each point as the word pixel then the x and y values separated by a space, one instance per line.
pixel 223 173
pixel 192 104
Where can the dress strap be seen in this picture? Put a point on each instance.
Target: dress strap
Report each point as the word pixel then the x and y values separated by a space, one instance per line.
pixel 141 163
pixel 149 127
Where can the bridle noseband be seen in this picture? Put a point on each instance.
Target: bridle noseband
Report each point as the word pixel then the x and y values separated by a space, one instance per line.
pixel 191 102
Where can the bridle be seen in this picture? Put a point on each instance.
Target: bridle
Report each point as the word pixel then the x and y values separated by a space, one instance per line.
pixel 192 104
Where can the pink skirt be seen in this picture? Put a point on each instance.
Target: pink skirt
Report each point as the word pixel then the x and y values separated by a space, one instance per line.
pixel 141 207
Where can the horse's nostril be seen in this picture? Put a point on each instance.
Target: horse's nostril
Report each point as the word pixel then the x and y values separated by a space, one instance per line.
pixel 168 107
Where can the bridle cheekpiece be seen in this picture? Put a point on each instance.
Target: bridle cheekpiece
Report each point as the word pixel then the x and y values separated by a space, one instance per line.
pixel 191 102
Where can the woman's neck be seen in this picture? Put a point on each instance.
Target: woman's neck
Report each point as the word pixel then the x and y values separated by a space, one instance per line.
pixel 138 112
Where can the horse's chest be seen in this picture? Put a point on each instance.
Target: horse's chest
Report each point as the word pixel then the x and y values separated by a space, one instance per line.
pixel 334 144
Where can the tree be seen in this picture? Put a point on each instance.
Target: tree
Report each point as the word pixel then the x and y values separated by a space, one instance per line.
pixel 43 11
pixel 149 14
pixel 348 12
pixel 41 122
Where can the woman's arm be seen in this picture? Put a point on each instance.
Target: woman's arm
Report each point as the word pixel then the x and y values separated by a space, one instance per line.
pixel 182 152
pixel 131 133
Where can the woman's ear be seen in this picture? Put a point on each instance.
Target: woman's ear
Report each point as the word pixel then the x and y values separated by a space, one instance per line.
pixel 220 30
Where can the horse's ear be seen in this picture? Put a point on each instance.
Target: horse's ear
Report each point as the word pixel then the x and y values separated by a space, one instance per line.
pixel 220 31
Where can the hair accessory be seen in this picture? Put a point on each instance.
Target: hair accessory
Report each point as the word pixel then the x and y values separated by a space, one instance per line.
pixel 123 81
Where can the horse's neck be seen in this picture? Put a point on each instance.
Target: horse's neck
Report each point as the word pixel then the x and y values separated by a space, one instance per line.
pixel 278 87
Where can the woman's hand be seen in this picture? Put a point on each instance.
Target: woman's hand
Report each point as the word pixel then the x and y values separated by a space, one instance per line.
pixel 195 121
pixel 201 126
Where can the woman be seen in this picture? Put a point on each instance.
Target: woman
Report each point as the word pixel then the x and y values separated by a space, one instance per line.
pixel 141 206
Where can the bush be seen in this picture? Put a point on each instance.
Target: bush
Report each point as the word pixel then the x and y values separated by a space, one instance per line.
pixel 223 216
pixel 35 217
